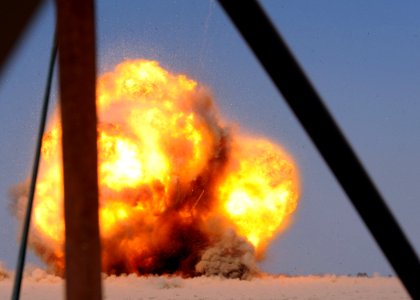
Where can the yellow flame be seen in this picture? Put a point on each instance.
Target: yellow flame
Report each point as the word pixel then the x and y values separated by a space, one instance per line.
pixel 157 133
pixel 260 190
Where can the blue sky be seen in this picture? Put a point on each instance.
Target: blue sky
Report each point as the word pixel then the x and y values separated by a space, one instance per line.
pixel 362 56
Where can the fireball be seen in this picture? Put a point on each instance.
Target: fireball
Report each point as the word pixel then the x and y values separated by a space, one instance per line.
pixel 172 178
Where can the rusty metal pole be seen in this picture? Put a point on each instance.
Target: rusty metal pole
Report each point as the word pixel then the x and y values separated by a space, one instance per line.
pixel 76 45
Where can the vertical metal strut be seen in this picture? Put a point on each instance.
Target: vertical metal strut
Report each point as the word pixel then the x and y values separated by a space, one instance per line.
pixel 76 45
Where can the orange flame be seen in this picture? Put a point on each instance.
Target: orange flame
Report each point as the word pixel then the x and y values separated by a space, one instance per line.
pixel 260 190
pixel 167 169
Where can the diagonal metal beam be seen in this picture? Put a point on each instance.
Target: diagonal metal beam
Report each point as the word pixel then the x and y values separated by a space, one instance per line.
pixel 76 49
pixel 273 53
pixel 17 284
pixel 14 16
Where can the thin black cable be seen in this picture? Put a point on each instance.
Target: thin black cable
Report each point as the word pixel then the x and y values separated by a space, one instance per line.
pixel 27 221
pixel 274 55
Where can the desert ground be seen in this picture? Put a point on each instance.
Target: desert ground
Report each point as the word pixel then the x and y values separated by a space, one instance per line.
pixel 38 284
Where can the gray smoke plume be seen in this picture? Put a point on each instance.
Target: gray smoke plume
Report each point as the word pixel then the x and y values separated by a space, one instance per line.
pixel 18 195
pixel 232 257
pixel 4 273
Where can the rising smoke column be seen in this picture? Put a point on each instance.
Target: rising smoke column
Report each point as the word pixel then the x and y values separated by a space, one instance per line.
pixel 178 191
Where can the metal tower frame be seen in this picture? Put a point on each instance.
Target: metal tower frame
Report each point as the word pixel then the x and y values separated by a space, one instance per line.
pixel 77 73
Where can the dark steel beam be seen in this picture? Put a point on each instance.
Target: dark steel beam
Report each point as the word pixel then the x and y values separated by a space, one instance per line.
pixel 286 74
pixel 76 48
pixel 14 16
pixel 17 284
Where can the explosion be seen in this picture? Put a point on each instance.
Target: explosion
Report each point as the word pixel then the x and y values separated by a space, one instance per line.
pixel 178 191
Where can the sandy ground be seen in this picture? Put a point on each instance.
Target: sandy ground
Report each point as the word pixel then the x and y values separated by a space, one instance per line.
pixel 40 285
